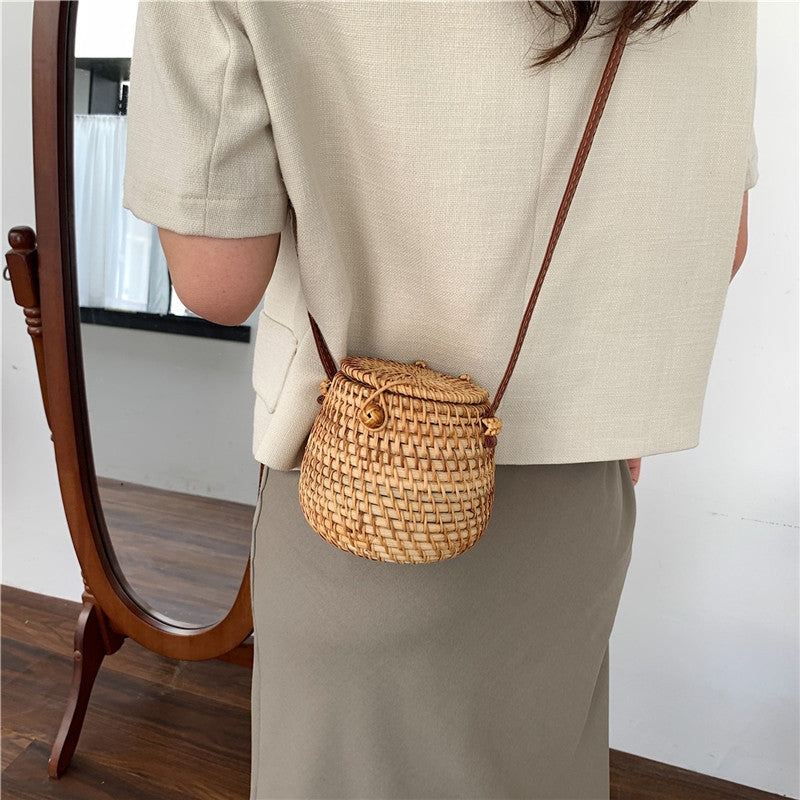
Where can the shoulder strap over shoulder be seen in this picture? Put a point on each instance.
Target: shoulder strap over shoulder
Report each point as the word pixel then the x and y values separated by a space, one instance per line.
pixel 609 73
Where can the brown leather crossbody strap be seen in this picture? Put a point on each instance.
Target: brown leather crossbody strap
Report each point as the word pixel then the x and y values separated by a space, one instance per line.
pixel 609 73
pixel 329 363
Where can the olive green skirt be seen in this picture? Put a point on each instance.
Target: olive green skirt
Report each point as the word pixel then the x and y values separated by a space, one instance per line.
pixel 485 676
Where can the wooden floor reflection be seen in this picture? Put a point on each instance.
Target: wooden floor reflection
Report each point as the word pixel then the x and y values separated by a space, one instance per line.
pixel 183 555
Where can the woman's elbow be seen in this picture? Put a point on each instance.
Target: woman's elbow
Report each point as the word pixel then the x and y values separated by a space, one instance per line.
pixel 221 280
pixel 214 309
pixel 224 303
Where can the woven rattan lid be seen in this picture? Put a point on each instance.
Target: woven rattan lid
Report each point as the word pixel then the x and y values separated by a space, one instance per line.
pixel 414 380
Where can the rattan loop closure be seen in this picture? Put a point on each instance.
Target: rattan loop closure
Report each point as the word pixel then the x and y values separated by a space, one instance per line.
pixel 373 414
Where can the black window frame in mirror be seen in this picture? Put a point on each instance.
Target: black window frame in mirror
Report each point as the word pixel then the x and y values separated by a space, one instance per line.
pixel 164 323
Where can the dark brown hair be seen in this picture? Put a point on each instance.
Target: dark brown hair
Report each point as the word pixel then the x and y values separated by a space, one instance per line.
pixel 579 15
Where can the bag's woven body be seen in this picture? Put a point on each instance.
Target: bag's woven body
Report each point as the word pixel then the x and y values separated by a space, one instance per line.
pixel 397 467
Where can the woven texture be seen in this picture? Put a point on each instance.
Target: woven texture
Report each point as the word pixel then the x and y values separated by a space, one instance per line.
pixel 397 466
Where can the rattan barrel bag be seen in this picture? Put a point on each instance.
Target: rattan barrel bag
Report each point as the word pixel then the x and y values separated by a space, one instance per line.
pixel 399 465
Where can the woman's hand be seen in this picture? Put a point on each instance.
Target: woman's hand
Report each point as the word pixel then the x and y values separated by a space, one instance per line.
pixel 635 466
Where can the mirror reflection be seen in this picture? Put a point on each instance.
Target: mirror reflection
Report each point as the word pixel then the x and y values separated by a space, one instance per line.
pixel 179 522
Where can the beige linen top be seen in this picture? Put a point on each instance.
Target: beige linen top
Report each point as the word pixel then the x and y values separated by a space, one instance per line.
pixel 426 163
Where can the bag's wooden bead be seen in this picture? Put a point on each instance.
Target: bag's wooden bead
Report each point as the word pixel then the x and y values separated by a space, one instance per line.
pixel 372 415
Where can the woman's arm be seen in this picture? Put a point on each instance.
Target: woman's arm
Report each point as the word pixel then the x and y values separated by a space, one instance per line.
pixel 221 280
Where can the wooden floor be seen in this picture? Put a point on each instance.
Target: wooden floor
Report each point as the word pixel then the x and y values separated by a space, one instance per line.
pixel 159 729
pixel 156 729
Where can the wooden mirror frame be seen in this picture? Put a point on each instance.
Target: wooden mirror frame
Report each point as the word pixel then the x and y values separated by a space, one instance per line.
pixel 44 279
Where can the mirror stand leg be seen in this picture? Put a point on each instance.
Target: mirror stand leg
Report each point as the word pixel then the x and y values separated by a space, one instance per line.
pixel 94 640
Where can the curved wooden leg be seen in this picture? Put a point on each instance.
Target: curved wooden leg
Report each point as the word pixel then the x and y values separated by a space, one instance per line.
pixel 94 640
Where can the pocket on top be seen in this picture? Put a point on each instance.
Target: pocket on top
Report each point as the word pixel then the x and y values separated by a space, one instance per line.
pixel 275 349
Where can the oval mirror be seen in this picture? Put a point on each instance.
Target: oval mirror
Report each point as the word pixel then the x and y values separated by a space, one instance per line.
pixel 168 394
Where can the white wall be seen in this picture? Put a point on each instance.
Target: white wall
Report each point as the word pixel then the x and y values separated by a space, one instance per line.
pixel 705 647
pixel 175 412
pixel 105 30
pixel 705 650
pixel 37 552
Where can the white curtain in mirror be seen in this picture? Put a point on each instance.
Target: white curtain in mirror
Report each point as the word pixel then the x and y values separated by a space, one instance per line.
pixel 120 261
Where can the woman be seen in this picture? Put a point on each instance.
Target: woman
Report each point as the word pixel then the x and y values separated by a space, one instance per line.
pixel 425 159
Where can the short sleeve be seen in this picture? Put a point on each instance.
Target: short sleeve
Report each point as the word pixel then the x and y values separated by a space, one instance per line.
pixel 751 175
pixel 201 156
